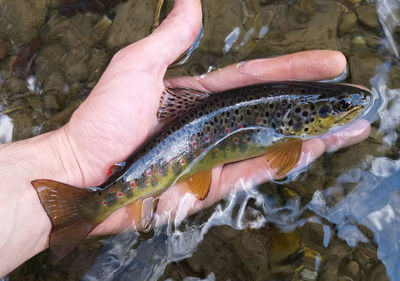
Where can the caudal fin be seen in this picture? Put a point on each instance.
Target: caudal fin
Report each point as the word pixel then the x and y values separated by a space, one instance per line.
pixel 71 211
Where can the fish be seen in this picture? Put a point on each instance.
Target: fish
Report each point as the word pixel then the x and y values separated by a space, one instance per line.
pixel 204 130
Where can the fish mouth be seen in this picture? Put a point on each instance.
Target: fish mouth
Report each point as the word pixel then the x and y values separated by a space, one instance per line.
pixel 371 111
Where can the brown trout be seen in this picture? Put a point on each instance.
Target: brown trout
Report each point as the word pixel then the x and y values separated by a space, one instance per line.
pixel 206 130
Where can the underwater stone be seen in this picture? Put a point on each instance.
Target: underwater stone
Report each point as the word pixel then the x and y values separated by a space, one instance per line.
pixel 20 20
pixel 347 23
pixel 3 50
pixel 130 24
pixel 24 64
pixel 353 267
pixel 52 100
pixel 367 16
pixel 15 85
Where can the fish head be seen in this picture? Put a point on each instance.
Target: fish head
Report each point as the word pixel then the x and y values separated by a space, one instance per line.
pixel 325 113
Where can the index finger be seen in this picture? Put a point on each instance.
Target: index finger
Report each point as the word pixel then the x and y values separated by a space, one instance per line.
pixel 307 65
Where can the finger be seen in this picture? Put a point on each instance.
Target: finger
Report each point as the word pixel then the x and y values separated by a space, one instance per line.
pixel 308 65
pixel 168 41
pixel 348 135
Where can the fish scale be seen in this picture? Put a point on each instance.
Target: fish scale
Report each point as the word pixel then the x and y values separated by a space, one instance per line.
pixel 213 129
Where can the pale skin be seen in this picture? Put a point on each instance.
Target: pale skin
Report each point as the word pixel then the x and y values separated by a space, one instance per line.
pixel 120 114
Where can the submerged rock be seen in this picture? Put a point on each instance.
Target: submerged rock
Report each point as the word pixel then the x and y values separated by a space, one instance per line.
pixel 24 64
pixel 20 20
pixel 3 50
pixel 131 23
pixel 347 23
pixel 368 16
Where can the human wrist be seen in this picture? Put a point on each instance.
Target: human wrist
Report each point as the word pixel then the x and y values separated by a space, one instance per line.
pixel 22 217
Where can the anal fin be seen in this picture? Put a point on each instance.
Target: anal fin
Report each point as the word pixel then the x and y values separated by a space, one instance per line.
pixel 199 184
pixel 283 155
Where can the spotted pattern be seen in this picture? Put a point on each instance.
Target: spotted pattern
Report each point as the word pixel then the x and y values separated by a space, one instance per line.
pixel 225 124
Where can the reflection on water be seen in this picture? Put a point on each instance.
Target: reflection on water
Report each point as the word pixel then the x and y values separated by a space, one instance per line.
pixel 338 220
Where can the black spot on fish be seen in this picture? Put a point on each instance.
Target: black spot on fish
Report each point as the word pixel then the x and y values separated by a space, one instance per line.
pixel 278 114
pixel 324 111
pixel 297 127
pixel 266 114
pixel 305 113
pixel 236 111
pixel 312 119
pixel 255 107
pixel 290 123
pixel 312 107
pixel 271 105
pixel 273 125
pixel 248 111
pixel 305 129
pixel 297 110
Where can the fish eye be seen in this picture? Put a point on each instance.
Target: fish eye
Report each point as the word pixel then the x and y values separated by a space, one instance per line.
pixel 344 104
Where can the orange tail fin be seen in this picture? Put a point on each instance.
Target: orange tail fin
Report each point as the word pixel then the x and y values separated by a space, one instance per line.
pixel 72 212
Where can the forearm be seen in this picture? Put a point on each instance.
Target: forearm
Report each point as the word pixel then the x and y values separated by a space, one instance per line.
pixel 25 226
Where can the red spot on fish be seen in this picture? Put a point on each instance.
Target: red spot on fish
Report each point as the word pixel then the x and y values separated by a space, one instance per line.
pixel 105 203
pixel 226 130
pixel 207 138
pixel 133 184
pixel 244 142
pixel 194 144
pixel 240 126
pixel 149 173
pixel 259 120
pixel 228 148
pixel 112 189
pixel 148 182
pixel 216 150
pixel 236 140
pixel 119 194
pixel 183 161
pixel 194 157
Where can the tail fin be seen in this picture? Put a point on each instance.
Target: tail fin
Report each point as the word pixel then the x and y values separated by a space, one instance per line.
pixel 71 212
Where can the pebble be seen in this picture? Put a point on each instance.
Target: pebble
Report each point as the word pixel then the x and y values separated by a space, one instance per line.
pixel 3 50
pixel 344 278
pixel 347 23
pixel 353 267
pixel 367 16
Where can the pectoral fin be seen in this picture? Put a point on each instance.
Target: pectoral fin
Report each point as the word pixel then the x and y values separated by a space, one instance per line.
pixel 283 155
pixel 176 101
pixel 199 184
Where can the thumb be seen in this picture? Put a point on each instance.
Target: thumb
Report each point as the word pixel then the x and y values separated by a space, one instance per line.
pixel 168 41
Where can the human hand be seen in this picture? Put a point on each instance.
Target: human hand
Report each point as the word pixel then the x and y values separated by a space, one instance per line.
pixel 120 113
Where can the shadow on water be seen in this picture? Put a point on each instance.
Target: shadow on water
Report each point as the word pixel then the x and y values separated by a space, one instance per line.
pixel 337 220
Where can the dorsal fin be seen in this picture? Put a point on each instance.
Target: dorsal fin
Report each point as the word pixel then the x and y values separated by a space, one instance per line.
pixel 176 101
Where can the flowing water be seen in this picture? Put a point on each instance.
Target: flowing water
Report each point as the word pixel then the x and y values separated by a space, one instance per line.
pixel 337 220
